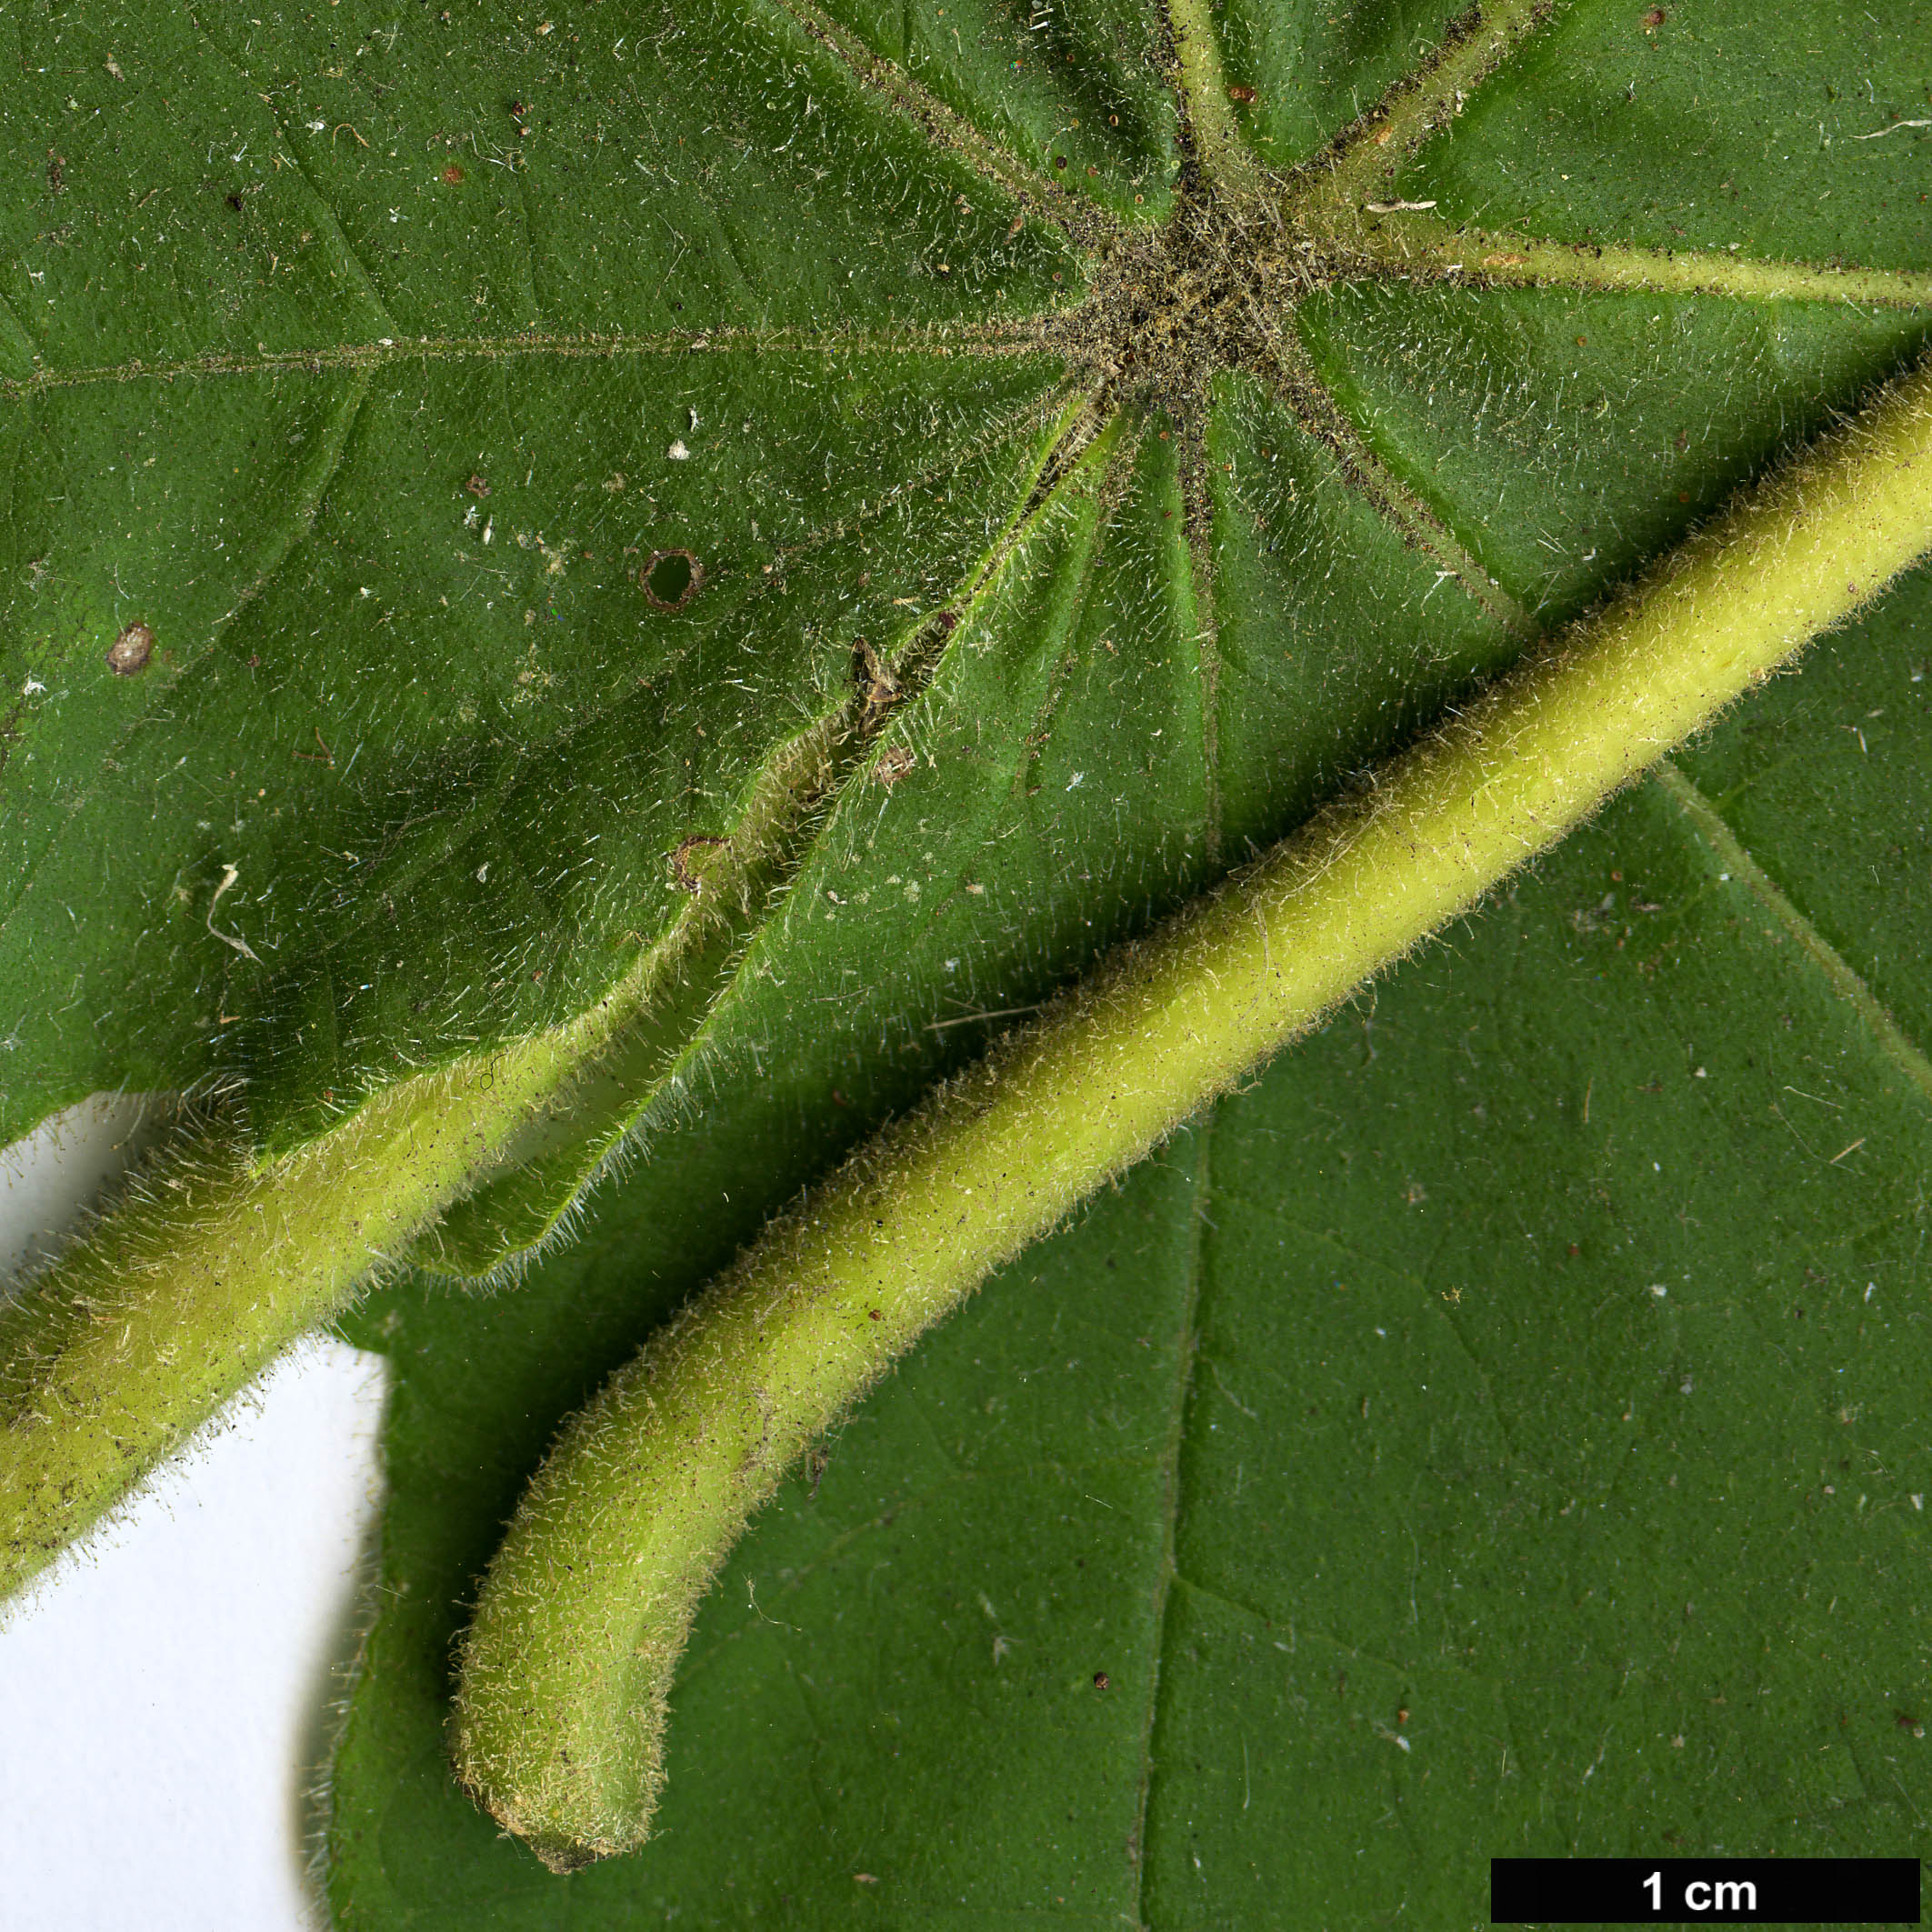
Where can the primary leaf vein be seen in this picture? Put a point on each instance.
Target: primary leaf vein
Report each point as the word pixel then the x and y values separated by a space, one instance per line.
pixel 482 811
pixel 1416 242
pixel 997 340
pixel 1082 221
pixel 1295 381
pixel 1370 151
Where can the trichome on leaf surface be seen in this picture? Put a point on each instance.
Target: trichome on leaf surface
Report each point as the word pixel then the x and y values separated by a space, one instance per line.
pixel 613 595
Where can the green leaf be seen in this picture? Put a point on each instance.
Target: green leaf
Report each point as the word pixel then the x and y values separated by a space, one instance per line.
pixel 339 416
pixel 1153 544
pixel 1721 127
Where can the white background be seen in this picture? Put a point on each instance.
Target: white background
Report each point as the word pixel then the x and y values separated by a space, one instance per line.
pixel 166 1692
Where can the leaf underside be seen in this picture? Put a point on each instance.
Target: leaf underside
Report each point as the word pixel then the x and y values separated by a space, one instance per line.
pixel 1532 1353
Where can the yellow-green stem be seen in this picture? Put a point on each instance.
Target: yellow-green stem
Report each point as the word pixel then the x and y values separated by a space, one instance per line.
pixel 560 1719
pixel 218 1261
pixel 142 1331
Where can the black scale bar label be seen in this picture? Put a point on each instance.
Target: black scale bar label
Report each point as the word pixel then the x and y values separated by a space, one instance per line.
pixel 1704 1891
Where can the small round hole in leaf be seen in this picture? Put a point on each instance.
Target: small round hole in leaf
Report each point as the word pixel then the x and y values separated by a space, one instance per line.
pixel 130 652
pixel 671 579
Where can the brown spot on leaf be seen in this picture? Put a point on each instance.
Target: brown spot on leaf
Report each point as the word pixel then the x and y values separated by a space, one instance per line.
pixel 671 579
pixel 690 863
pixel 453 173
pixel 876 685
pixel 1101 1680
pixel 895 763
pixel 1654 18
pixel 131 651
pixel 478 486
pixel 1242 96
